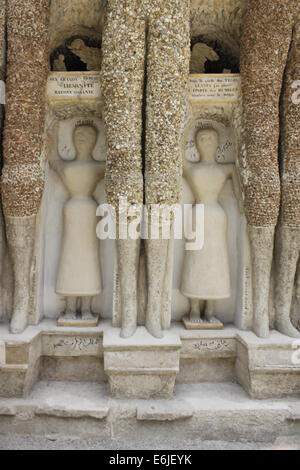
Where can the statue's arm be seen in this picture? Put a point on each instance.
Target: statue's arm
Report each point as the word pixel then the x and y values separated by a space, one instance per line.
pixel 57 165
pixel 52 144
pixel 237 189
pixel 101 171
pixel 185 167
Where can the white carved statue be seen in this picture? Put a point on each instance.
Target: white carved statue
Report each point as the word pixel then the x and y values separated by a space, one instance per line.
pixel 206 272
pixel 79 275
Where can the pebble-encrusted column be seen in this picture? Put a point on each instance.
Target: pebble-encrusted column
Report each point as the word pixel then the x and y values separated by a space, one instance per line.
pixel 27 69
pixel 140 36
pixel 163 28
pixel 23 172
pixel 2 99
pixel 2 61
pixel 270 47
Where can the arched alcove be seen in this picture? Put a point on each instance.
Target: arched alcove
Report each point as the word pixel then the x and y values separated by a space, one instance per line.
pixel 75 35
pixel 217 25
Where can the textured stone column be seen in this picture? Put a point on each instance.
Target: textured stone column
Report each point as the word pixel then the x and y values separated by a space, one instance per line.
pixel 2 98
pixel 27 69
pixel 145 45
pixel 23 171
pixel 269 64
pixel 2 59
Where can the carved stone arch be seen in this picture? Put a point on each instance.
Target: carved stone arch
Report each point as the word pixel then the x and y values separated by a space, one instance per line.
pixel 218 20
pixel 75 35
pixel 74 18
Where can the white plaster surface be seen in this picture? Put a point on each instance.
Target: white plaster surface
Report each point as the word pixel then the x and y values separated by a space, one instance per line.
pixel 55 197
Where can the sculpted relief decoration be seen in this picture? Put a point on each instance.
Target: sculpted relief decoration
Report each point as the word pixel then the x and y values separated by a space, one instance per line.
pixel 88 101
pixel 79 276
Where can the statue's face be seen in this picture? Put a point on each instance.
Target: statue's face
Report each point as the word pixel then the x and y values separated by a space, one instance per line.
pixel 207 142
pixel 85 138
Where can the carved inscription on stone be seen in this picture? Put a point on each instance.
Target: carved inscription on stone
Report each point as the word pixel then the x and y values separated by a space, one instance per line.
pixel 209 347
pixel 64 86
pixel 222 88
pixel 72 345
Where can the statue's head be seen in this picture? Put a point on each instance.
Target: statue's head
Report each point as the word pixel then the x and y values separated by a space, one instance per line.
pixel 207 143
pixel 85 139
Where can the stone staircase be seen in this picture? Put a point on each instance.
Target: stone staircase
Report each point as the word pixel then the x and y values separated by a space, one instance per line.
pixel 90 382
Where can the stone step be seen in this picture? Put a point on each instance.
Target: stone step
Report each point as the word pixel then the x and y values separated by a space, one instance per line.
pixel 206 411
pixel 266 368
pixel 141 366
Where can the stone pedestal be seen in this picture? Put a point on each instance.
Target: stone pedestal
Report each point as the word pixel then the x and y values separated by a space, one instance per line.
pixel 191 324
pixel 141 366
pixel 145 367
pixel 78 322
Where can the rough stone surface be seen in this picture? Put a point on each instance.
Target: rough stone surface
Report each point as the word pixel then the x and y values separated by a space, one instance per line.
pixel 201 411
pixel 21 237
pixel 223 19
pixel 269 45
pixel 27 68
pixel 164 411
pixel 74 18
pixel 2 38
pixel 2 64
pixel 123 68
pixel 141 366
pixel 21 442
pixel 262 250
pixel 264 367
pixel 286 260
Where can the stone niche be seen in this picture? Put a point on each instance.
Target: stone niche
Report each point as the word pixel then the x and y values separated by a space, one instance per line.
pixel 75 98
pixel 215 102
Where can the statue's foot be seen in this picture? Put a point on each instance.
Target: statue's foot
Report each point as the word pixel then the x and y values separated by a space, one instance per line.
pixel 262 328
pixel 154 328
pixel 70 315
pixel 87 315
pixel 195 317
pixel 18 322
pixel 127 331
pixel 208 319
pixel 286 327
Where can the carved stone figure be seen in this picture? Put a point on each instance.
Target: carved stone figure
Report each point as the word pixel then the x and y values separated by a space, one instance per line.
pixel 79 276
pixel 200 54
pixel 154 35
pixel 270 51
pixel 206 272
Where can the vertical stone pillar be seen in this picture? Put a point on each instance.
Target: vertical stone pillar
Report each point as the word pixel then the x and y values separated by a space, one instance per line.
pixel 23 172
pixel 2 61
pixel 27 69
pixel 2 100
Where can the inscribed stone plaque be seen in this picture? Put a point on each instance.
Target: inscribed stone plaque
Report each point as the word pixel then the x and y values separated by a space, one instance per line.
pixel 216 88
pixel 71 86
